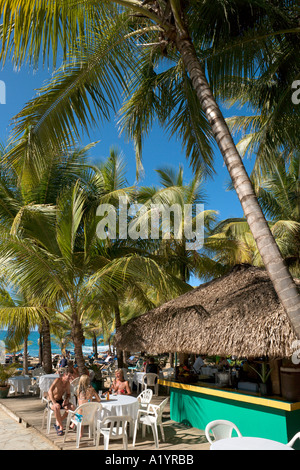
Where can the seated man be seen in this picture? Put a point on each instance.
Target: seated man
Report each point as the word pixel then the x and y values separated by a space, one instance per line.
pixel 198 364
pixel 59 395
pixel 151 367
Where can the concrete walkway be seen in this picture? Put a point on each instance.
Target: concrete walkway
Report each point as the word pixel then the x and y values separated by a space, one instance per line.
pixel 21 428
pixel 15 436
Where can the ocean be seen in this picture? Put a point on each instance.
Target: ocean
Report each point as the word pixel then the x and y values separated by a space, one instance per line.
pixel 33 345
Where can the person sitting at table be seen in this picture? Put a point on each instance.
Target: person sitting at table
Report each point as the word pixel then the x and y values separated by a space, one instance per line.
pixel 85 391
pixel 151 367
pixel 120 385
pixel 63 361
pixel 59 395
pixel 198 364
pixel 184 369
pixel 73 371
pixel 184 374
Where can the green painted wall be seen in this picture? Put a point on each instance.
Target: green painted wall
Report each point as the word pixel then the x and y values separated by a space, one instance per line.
pixel 252 420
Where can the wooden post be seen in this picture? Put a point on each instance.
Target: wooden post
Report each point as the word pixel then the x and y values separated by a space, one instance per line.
pixel 275 375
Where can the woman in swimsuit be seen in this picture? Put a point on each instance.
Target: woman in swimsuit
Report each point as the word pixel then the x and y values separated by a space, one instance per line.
pixel 85 392
pixel 120 385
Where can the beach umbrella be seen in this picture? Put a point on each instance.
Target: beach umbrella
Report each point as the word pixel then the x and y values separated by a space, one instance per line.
pixel 237 314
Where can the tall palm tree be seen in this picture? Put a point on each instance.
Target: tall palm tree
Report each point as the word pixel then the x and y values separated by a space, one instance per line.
pixel 27 209
pixel 186 27
pixel 71 269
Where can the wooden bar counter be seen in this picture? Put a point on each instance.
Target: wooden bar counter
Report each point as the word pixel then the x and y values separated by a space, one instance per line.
pixel 198 404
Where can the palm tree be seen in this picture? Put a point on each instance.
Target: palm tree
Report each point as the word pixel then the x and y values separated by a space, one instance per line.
pixel 72 271
pixel 231 241
pixel 180 252
pixel 279 196
pixel 19 315
pixel 28 209
pixel 183 30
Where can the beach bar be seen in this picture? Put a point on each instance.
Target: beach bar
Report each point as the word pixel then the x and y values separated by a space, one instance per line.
pixel 267 417
pixel 237 315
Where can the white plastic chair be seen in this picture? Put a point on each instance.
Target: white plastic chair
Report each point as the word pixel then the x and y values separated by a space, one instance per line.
pixel 48 414
pixel 73 391
pixel 221 429
pixel 293 440
pixel 150 380
pixel 36 373
pixel 113 428
pixel 84 415
pixel 144 398
pixel 34 388
pixel 152 416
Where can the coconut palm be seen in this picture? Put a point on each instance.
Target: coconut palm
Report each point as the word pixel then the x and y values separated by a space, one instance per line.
pixel 71 270
pixel 180 251
pixel 183 30
pixel 28 209
pixel 279 196
pixel 19 315
pixel 231 241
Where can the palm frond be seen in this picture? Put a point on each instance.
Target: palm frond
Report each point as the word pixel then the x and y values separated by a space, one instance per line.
pixel 82 93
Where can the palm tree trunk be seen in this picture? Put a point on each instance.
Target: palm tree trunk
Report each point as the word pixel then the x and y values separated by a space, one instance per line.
pixel 25 356
pixel 46 347
pixel 268 249
pixel 95 349
pixel 118 325
pixel 78 340
pixel 41 345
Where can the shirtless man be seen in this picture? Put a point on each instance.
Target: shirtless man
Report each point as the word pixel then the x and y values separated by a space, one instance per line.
pixel 60 388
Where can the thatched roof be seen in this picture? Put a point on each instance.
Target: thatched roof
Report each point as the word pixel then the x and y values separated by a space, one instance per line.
pixel 238 314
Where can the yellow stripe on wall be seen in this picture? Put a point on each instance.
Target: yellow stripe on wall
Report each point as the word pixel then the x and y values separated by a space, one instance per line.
pixel 267 402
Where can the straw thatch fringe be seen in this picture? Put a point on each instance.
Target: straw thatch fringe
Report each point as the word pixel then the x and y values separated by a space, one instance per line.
pixel 237 314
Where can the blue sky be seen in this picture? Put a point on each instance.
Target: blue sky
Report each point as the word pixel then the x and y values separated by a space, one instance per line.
pixel 158 150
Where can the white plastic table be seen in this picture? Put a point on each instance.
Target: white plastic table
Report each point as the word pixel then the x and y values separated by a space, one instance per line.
pixel 138 379
pixel 19 383
pixel 45 381
pixel 248 443
pixel 119 405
